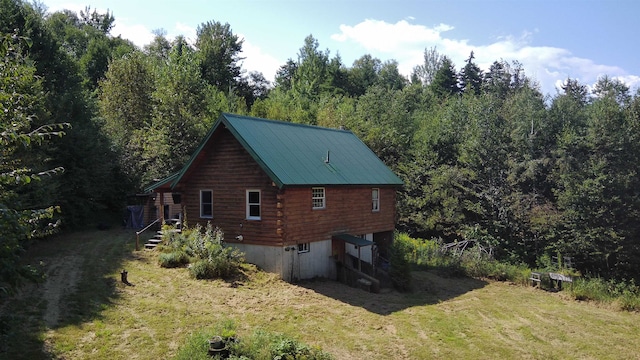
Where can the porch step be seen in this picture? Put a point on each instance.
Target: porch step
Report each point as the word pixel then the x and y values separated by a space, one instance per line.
pixel 170 231
pixel 157 238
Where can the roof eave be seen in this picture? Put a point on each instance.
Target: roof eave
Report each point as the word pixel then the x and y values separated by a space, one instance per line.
pixel 159 183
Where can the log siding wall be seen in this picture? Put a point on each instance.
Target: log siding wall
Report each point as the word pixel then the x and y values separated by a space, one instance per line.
pixel 348 210
pixel 287 217
pixel 228 171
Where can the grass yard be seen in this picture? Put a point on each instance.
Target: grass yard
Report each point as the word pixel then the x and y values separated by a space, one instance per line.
pixel 83 311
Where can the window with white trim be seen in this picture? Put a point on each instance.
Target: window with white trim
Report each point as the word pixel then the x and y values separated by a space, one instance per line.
pixel 206 204
pixel 253 204
pixel 375 199
pixel 303 248
pixel 318 198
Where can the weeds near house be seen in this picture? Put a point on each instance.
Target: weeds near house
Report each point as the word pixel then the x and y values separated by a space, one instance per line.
pixel 204 250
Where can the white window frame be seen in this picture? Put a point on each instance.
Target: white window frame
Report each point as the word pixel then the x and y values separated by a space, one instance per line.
pixel 318 201
pixel 304 248
pixel 249 204
pixel 375 199
pixel 202 204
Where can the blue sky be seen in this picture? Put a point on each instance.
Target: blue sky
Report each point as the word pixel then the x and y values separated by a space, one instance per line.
pixel 553 39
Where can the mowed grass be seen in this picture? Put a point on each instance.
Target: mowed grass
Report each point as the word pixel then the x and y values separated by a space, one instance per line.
pixel 101 318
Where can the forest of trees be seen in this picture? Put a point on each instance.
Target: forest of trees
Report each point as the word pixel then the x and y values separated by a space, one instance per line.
pixel 484 155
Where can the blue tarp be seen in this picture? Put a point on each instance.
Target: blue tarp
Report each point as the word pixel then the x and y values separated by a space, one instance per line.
pixel 135 217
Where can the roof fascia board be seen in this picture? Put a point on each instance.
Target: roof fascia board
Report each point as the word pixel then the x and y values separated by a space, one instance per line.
pixel 159 183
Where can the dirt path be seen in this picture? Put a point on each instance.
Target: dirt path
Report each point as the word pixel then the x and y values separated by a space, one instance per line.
pixel 63 275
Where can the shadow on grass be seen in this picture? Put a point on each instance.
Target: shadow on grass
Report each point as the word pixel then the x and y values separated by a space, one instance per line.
pixel 428 288
pixel 80 267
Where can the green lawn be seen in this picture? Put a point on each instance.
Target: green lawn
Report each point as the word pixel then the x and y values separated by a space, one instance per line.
pixel 85 312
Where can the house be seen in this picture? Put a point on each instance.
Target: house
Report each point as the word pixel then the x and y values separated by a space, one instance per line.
pixel 296 199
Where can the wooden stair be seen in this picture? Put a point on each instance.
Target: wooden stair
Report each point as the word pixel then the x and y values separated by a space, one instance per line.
pixel 157 239
pixel 154 241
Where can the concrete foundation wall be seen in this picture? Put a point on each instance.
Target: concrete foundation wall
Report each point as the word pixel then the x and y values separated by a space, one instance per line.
pixel 316 262
pixel 267 258
pixel 290 264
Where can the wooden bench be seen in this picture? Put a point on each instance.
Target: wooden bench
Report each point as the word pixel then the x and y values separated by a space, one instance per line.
pixel 536 279
pixel 559 279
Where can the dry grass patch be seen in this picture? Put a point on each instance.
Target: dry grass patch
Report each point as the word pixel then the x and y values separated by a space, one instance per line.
pixel 443 317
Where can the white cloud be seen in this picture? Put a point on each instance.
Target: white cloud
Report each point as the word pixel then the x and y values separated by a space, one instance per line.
pixel 632 81
pixel 405 42
pixel 189 32
pixel 384 37
pixel 257 60
pixel 138 34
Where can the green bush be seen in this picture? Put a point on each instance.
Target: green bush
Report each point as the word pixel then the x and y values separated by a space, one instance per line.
pixel 431 254
pixel 400 268
pixel 629 301
pixel 626 294
pixel 202 269
pixel 206 248
pixel 173 259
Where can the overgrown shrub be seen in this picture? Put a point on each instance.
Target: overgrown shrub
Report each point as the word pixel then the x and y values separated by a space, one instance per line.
pixel 625 294
pixel 211 259
pixel 478 264
pixel 431 254
pixel 173 259
pixel 400 268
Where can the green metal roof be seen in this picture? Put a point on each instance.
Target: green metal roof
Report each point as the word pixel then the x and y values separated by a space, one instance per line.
pixel 160 183
pixel 295 154
pixel 302 155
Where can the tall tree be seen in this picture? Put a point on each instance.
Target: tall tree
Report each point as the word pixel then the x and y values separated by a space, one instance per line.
pixel 470 77
pixel 219 51
pixel 390 77
pixel 126 104
pixel 21 100
pixel 498 79
pixel 445 81
pixel 426 72
pixel 285 74
pixel 312 69
pixel 363 74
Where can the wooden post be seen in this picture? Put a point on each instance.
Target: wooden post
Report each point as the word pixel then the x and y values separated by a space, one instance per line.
pixel 162 207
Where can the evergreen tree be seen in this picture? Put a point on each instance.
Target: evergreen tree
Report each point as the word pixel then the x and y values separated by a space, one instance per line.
pixel 445 81
pixel 219 51
pixel 470 77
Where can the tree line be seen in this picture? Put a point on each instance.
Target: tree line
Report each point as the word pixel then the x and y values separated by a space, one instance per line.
pixel 484 155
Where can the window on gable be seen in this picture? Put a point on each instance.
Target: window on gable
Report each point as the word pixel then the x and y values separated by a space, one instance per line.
pixel 206 204
pixel 318 198
pixel 253 204
pixel 375 199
